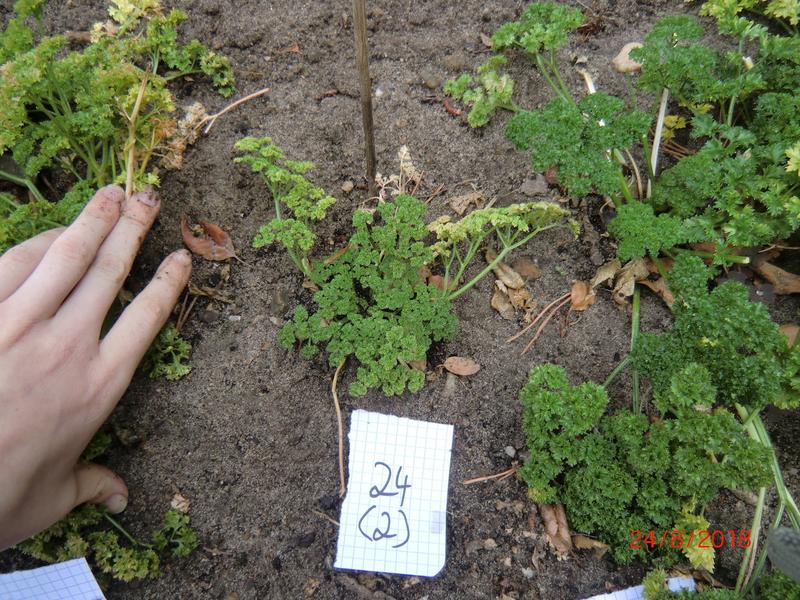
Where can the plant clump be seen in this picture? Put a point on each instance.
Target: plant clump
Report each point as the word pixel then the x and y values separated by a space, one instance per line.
pixel 98 115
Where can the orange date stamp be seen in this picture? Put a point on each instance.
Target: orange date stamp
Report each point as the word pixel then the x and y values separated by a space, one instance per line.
pixel 675 538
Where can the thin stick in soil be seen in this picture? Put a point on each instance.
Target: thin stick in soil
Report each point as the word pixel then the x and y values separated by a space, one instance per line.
pixel 362 60
pixel 438 191
pixel 543 325
pixel 342 485
pixel 496 477
pixel 324 516
pixel 536 320
pixel 211 119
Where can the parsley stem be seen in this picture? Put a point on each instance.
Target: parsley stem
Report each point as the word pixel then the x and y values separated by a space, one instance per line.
pixel 748 558
pixel 554 67
pixel 617 370
pixel 124 531
pixel 637 406
pixel 25 182
pixel 506 250
pixel 626 191
pixel 548 78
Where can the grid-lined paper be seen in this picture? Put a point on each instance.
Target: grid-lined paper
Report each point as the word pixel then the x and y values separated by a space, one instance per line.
pixel 71 580
pixel 675 584
pixel 394 515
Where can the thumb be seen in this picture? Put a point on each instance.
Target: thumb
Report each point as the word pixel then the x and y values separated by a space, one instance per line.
pixel 100 485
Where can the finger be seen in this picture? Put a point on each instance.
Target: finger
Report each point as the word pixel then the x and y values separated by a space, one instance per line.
pixel 66 261
pixel 130 337
pixel 98 485
pixel 20 261
pixel 89 302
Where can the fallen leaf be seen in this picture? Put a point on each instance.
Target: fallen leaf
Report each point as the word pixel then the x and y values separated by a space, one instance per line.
pixel 437 281
pixel 293 49
pixel 551 175
pixel 180 503
pixel 556 528
pixel 660 288
pixel 209 292
pixel 311 586
pixel 419 365
pixel 623 63
pixel 790 331
pixel 486 40
pixel 310 285
pixel 503 272
pixel 581 296
pixel 634 271
pixel 521 299
pixel 460 204
pixel 459 365
pixel 606 273
pixel 583 542
pixel 783 281
pixel 502 304
pixel 527 268
pixel 212 244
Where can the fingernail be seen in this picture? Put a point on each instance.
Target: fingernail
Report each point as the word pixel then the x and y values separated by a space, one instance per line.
pixel 148 198
pixel 116 503
pixel 115 192
pixel 183 256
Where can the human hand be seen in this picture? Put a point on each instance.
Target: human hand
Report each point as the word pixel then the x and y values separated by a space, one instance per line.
pixel 59 380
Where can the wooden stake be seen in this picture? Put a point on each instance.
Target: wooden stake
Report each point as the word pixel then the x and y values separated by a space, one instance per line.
pixel 362 62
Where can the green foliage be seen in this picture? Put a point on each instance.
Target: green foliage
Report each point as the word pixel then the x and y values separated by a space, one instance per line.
pixel 620 472
pixel 71 111
pixel 641 233
pixel 576 140
pixel 487 92
pixel 176 535
pixel 298 202
pixel 777 586
pixel 86 532
pixel 732 338
pixel 168 356
pixel 373 305
pixel 543 26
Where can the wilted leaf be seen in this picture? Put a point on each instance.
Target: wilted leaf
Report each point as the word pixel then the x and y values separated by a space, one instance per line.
pixel 486 40
pixel 783 281
pixel 606 273
pixel 460 365
pixel 521 299
pixel 212 244
pixel 180 503
pixel 437 281
pixel 790 331
pixel 502 304
pixel 581 296
pixel 527 268
pixel 660 288
pixel 503 272
pixel 583 542
pixel 460 204
pixel 419 365
pixel 556 528
pixel 632 272
pixel 311 586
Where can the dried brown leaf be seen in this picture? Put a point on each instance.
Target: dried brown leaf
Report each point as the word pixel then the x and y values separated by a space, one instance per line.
pixel 437 281
pixel 180 503
pixel 627 277
pixel 419 365
pixel 503 272
pixel 556 528
pixel 790 331
pixel 486 40
pixel 521 299
pixel 527 268
pixel 606 273
pixel 460 204
pixel 583 542
pixel 502 304
pixel 783 281
pixel 460 365
pixel 212 244
pixel 581 296
pixel 660 288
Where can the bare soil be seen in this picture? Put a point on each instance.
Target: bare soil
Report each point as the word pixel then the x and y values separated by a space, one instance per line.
pixel 250 435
